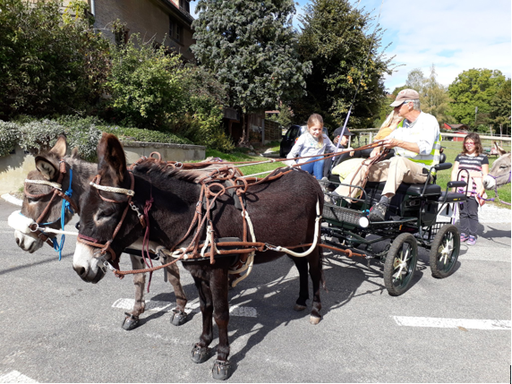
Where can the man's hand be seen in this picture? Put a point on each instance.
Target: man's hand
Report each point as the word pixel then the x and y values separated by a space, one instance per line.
pixel 375 152
pixel 336 139
pixel 391 143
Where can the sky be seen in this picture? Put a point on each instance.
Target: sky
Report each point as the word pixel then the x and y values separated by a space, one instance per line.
pixel 452 35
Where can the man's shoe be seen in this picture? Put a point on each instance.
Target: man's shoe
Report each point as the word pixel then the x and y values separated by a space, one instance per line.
pixel 463 237
pixel 378 212
pixel 471 240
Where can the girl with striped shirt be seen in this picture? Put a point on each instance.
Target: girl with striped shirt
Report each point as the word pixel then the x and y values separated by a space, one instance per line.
pixel 471 166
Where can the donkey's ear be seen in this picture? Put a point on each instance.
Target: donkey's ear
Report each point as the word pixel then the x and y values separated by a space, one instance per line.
pixel 111 157
pixel 74 153
pixel 500 150
pixel 46 168
pixel 61 146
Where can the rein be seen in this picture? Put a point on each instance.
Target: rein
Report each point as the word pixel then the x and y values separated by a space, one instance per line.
pixel 202 221
pixel 211 189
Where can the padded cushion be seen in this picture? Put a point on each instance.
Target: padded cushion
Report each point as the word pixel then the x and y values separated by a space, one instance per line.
pixel 409 189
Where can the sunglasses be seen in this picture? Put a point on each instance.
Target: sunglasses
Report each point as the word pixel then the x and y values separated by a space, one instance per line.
pixel 469 143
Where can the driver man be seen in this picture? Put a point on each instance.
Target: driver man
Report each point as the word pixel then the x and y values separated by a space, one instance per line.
pixel 416 146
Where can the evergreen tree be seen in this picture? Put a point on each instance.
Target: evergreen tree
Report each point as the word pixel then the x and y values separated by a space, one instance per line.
pixel 250 47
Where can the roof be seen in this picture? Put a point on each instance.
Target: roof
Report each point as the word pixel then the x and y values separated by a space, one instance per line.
pixel 456 126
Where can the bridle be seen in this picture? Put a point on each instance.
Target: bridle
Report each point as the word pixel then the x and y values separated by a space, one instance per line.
pixel 105 247
pixel 56 190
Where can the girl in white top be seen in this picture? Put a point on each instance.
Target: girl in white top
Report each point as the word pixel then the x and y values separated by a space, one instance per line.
pixel 313 142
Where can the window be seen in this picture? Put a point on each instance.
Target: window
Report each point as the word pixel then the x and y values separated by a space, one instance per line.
pixel 179 33
pixel 172 28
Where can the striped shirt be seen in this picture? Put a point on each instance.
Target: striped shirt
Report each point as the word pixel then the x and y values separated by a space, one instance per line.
pixel 473 164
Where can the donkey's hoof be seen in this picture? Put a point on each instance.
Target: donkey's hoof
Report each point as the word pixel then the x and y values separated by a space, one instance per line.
pixel 130 322
pixel 221 370
pixel 200 354
pixel 314 320
pixel 299 307
pixel 178 317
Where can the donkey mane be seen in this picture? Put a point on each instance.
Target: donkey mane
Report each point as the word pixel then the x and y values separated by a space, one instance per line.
pixel 161 171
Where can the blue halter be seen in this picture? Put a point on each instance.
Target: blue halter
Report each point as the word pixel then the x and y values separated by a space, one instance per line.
pixel 65 206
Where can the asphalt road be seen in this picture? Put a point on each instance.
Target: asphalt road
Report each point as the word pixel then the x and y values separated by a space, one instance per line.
pixel 56 328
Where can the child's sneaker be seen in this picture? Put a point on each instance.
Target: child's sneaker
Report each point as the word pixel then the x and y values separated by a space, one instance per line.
pixel 471 240
pixel 463 237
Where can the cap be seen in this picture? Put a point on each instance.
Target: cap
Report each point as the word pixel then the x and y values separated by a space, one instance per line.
pixel 337 132
pixel 404 95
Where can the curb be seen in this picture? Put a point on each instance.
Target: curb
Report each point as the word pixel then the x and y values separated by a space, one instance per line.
pixel 11 199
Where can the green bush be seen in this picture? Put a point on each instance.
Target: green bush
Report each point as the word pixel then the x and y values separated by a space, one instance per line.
pixel 205 99
pixel 137 134
pixel 145 84
pixel 9 136
pixel 81 133
pixel 48 64
pixel 38 136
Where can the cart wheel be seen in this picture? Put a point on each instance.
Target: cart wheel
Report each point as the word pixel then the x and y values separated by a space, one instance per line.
pixel 400 264
pixel 444 251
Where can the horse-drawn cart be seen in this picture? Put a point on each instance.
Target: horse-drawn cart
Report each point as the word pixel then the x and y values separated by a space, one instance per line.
pixel 414 219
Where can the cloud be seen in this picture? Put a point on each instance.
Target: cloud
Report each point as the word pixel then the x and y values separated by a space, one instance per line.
pixel 453 35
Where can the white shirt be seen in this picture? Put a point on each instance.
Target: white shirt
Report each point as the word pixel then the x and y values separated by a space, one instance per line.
pixel 424 131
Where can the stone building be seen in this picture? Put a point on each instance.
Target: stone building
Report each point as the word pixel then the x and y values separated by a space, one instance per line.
pixel 152 19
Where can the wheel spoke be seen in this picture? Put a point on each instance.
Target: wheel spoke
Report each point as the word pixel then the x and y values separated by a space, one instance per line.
pixel 446 249
pixel 402 262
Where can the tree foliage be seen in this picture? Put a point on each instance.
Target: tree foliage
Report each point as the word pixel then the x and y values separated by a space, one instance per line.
pixel 204 109
pixel 48 63
pixel 434 98
pixel 500 108
pixel 145 84
pixel 472 89
pixel 337 39
pixel 250 47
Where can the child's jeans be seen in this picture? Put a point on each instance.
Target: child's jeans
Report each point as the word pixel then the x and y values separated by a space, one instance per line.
pixel 316 168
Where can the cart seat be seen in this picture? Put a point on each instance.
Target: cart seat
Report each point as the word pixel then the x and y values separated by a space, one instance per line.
pixel 408 189
pixel 451 197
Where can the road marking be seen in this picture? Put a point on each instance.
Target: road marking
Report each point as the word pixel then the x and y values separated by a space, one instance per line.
pixel 234 310
pixel 436 322
pixel 16 377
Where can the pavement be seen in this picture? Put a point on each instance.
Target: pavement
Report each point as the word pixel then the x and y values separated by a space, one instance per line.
pixel 55 328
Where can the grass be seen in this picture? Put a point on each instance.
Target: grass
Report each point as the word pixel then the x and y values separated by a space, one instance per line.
pixel 245 155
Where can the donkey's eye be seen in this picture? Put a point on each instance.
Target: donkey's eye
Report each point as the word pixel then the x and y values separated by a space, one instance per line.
pixel 105 214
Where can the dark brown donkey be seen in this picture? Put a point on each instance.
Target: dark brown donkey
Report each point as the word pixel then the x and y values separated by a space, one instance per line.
pixel 284 212
pixel 38 199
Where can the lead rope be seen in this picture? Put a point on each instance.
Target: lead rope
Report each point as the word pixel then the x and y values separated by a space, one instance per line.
pixel 65 205
pixel 496 196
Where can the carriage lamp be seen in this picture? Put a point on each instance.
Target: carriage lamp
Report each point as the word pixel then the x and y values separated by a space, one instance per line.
pixel 364 222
